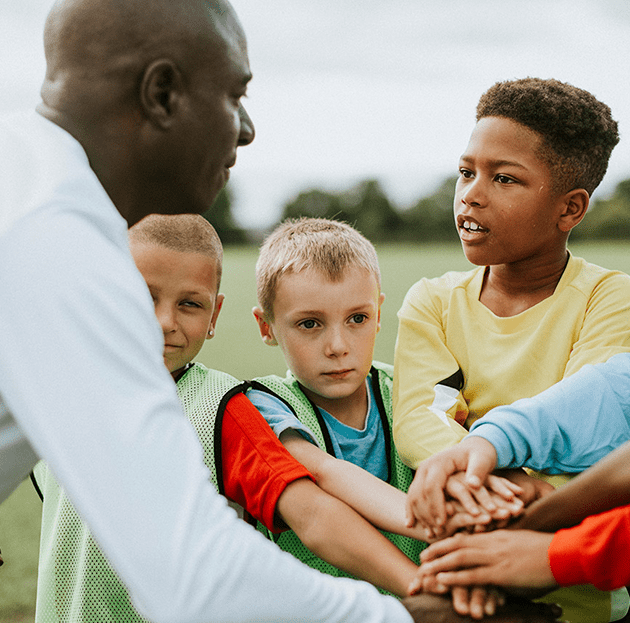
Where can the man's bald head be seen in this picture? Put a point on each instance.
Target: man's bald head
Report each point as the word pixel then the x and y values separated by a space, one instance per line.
pixel 113 40
pixel 152 91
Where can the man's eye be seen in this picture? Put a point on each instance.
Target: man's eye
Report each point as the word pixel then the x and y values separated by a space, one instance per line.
pixel 190 304
pixel 359 318
pixel 465 173
pixel 308 324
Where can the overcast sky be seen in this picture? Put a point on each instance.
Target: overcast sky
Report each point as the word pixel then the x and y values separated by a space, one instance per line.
pixel 349 89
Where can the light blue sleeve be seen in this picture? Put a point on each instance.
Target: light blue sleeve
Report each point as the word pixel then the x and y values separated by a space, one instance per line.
pixel 568 427
pixel 278 415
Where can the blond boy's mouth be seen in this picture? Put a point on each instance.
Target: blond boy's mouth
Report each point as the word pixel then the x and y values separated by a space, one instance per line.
pixel 337 374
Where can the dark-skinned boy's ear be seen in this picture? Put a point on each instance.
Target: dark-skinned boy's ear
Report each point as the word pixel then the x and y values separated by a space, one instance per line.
pixel 161 92
pixel 575 206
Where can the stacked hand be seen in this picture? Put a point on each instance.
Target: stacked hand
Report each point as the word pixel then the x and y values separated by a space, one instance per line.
pixel 426 608
pixel 456 491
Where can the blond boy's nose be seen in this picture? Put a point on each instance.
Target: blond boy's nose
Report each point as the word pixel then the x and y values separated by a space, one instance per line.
pixel 336 344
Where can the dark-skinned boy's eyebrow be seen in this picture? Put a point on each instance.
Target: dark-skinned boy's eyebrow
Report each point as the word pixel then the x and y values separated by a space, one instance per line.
pixel 494 163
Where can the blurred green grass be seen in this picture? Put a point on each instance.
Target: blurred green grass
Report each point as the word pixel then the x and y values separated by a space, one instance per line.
pixel 237 349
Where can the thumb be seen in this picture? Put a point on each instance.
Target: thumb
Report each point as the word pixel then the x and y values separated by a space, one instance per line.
pixel 482 459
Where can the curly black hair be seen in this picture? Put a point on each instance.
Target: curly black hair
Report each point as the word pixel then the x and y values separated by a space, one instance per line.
pixel 577 129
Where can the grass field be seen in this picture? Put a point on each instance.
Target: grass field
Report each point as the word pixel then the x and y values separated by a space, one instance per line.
pixel 238 349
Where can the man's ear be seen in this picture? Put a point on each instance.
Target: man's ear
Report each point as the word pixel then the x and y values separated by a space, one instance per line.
pixel 575 205
pixel 161 92
pixel 266 331
pixel 218 304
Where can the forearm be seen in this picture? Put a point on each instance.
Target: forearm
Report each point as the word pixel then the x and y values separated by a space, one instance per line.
pixel 377 501
pixel 568 427
pixel 340 536
pixel 604 486
pixel 595 552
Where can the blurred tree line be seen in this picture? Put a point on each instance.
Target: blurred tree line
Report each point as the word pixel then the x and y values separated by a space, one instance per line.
pixel 367 207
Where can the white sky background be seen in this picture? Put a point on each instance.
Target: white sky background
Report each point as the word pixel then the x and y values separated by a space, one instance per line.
pixel 344 90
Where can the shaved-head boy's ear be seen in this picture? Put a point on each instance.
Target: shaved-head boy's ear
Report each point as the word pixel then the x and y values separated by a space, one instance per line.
pixel 161 91
pixel 575 205
pixel 266 332
pixel 215 314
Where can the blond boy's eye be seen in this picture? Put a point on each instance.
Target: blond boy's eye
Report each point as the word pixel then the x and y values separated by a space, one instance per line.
pixel 359 318
pixel 308 324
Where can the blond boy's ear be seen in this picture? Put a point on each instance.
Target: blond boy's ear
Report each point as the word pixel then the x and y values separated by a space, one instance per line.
pixel 575 205
pixel 381 298
pixel 215 314
pixel 266 332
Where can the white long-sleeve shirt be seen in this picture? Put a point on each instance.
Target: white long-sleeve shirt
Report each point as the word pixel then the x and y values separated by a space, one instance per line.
pixel 83 386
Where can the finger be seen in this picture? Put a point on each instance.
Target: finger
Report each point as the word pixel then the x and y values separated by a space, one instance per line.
pixel 459 491
pixel 464 520
pixel 467 577
pixel 461 600
pixel 425 499
pixel 477 601
pixel 480 464
pixel 441 548
pixel 503 487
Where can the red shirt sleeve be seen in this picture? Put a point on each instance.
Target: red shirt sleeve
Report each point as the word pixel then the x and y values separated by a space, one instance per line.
pixel 256 466
pixel 595 552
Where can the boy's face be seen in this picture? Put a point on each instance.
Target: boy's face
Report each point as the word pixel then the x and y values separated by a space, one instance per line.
pixel 184 291
pixel 505 207
pixel 326 330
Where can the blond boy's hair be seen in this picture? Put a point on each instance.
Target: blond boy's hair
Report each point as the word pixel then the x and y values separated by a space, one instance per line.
pixel 325 245
pixel 187 233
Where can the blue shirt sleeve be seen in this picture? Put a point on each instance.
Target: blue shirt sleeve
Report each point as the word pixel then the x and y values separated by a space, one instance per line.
pixel 568 427
pixel 278 415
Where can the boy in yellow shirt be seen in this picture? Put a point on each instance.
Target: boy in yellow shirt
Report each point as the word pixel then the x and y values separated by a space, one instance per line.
pixel 531 313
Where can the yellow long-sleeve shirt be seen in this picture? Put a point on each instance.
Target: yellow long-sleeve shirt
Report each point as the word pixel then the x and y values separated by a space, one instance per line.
pixel 455 360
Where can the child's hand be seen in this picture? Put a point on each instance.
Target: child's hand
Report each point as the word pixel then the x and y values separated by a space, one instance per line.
pixel 425 498
pixel 497 501
pixel 497 496
pixel 476 601
pixel 532 488
pixel 458 519
pixel 473 601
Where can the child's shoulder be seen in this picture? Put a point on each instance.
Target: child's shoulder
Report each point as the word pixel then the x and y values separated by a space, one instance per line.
pixel 587 276
pixel 445 285
pixel 198 376
pixel 385 368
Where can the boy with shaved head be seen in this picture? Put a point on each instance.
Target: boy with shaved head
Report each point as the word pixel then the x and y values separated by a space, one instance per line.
pixel 180 258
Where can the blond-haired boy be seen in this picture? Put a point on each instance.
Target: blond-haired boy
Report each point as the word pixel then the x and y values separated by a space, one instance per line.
pixel 319 296
pixel 180 258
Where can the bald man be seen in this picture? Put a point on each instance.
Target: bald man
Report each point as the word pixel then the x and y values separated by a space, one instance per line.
pixel 141 112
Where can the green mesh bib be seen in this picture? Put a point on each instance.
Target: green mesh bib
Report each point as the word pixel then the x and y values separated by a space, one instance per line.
pixel 399 475
pixel 75 582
